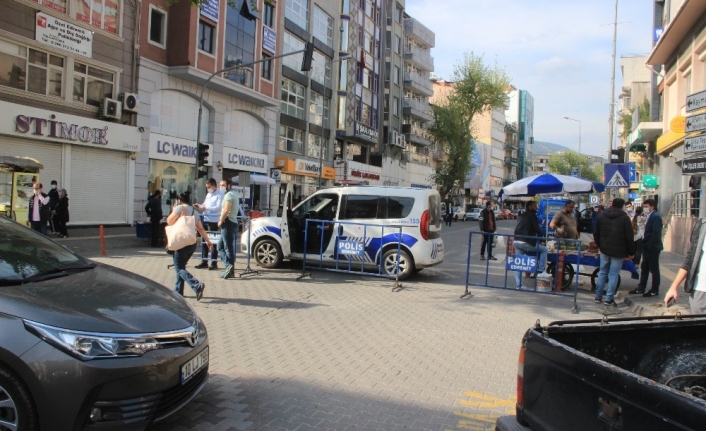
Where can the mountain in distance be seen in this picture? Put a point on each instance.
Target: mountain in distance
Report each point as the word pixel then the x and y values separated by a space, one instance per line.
pixel 541 147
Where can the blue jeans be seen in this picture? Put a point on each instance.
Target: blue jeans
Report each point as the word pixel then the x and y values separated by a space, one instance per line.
pixel 226 242
pixel 522 248
pixel 610 271
pixel 206 254
pixel 181 258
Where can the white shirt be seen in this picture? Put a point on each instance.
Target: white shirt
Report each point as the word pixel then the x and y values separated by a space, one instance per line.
pixel 700 282
pixel 212 207
pixel 35 209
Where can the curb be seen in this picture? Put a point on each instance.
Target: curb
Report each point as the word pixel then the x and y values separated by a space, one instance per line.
pixel 646 310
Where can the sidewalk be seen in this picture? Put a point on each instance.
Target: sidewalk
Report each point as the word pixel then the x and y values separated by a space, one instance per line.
pixel 86 240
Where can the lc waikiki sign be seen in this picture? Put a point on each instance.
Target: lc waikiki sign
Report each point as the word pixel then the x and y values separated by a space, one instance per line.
pixel 173 149
pixel 242 160
pixel 43 125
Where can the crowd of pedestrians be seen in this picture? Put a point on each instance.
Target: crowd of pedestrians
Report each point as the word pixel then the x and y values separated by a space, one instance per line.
pixel 48 213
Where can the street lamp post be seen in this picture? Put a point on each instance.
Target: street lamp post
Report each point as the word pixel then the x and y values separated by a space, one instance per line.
pixel 578 121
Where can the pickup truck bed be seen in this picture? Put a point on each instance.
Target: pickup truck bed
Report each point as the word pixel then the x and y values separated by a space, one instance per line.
pixel 636 374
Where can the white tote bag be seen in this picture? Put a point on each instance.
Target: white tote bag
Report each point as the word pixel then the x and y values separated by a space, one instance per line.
pixel 183 232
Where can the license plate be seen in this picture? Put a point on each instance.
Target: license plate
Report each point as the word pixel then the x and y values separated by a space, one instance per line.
pixel 194 365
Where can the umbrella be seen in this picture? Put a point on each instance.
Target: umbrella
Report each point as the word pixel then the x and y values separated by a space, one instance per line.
pixel 550 184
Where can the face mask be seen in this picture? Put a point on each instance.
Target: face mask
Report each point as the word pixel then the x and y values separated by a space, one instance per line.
pixel 224 190
pixel 36 191
pixel 646 211
pixel 53 187
pixel 210 190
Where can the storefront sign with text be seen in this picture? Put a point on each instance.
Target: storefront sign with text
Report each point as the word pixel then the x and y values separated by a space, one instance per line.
pixel 242 160
pixel 364 132
pixel 63 35
pixel 173 149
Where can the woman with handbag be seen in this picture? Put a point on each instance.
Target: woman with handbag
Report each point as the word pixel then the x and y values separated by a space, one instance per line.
pixel 182 225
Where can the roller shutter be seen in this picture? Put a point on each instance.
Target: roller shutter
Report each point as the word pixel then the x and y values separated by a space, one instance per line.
pixel 48 155
pixel 98 186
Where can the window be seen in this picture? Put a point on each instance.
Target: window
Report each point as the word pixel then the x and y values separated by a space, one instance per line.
pixel 266 67
pixel 341 120
pixel 316 144
pixel 291 44
pixel 361 207
pixel 91 84
pixel 345 7
pixel 100 13
pixel 158 27
pixel 343 75
pixel 31 70
pixel 399 207
pixel 396 76
pixel 396 106
pixel 367 5
pixel 398 44
pixel 206 37
pixel 268 15
pixel 290 139
pixel 323 26
pixel 321 69
pixel 318 109
pixel 344 35
pixel 298 11
pixel 398 14
pixel 687 82
pixel 292 99
pixel 365 114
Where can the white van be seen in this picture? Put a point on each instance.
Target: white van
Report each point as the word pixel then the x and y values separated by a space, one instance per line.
pixel 416 211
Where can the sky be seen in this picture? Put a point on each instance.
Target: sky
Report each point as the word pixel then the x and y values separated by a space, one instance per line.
pixel 558 50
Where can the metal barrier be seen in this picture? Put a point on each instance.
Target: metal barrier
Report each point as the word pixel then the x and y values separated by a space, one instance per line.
pixel 360 254
pixel 215 236
pixel 527 262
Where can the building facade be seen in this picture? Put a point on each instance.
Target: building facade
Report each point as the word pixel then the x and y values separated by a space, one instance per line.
pixel 521 112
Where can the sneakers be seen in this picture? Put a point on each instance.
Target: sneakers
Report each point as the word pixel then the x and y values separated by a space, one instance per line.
pixel 213 267
pixel 597 300
pixel 199 294
pixel 492 258
pixel 544 274
pixel 482 257
pixel 610 303
pixel 636 292
pixel 649 294
pixel 228 273
pixel 202 265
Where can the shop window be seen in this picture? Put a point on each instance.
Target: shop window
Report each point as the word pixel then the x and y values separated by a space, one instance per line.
pixel 323 26
pixel 292 44
pixel 158 27
pixel 291 139
pixel 292 99
pixel 268 15
pixel 266 68
pixel 206 37
pixel 99 13
pixel 298 12
pixel 318 109
pixel 91 85
pixel 317 145
pixel 172 179
pixel 361 207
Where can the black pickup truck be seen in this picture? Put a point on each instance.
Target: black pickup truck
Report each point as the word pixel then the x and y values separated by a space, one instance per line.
pixel 629 374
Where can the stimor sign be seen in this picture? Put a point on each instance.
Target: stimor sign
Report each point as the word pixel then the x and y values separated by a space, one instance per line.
pixel 350 248
pixel 521 263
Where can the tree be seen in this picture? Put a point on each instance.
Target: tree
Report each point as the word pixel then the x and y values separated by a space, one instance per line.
pixel 561 163
pixel 477 88
pixel 625 119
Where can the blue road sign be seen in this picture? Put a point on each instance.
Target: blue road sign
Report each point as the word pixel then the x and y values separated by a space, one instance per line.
pixel 616 175
pixel 574 172
pixel 633 172
pixel 594 199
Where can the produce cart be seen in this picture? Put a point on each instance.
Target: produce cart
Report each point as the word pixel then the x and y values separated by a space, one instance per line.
pixel 587 259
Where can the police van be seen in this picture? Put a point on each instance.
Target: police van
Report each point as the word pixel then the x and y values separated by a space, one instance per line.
pixel 355 214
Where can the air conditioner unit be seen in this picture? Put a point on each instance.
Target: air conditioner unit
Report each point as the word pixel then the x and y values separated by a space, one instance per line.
pixel 130 101
pixel 110 108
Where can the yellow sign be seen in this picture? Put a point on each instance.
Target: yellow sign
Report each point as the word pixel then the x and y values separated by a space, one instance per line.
pixel 678 124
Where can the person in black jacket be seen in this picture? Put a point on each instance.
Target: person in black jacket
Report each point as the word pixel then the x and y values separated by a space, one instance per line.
pixel 651 248
pixel 614 237
pixel 528 226
pixel 53 201
pixel 693 272
pixel 61 214
pixel 487 225
pixel 154 211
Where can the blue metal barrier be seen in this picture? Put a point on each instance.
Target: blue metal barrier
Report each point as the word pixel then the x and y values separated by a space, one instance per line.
pixel 361 255
pixel 516 262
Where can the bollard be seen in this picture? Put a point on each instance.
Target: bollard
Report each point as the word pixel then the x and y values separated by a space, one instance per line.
pixel 559 272
pixel 102 236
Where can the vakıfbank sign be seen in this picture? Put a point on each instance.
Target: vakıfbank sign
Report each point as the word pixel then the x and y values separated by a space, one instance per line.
pixel 242 160
pixel 306 166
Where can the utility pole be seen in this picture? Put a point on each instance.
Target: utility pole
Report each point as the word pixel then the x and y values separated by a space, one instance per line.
pixel 611 116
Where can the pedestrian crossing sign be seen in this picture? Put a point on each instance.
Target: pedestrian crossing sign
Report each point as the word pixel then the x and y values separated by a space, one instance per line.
pixel 617 175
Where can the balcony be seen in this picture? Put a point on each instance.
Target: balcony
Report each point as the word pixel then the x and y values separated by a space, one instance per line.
pixel 416 135
pixel 510 161
pixel 419 155
pixel 415 29
pixel 510 145
pixel 417 108
pixel 419 57
pixel 418 83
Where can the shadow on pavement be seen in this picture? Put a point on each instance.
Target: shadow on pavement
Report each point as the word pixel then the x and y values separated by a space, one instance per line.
pixel 276 304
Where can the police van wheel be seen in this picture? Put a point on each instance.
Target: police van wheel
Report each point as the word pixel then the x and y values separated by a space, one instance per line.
pixel 268 254
pixel 389 261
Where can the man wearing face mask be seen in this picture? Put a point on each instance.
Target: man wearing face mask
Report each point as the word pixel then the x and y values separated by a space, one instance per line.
pixel 228 223
pixel 39 210
pixel 211 209
pixel 651 247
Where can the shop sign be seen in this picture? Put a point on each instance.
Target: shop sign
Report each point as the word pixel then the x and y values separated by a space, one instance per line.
pixel 210 8
pixel 306 167
pixel 269 39
pixel 364 132
pixel 173 149
pixel 696 165
pixel 242 160
pixel 362 174
pixel 63 35
pixel 303 167
pixel 43 125
pixel 276 174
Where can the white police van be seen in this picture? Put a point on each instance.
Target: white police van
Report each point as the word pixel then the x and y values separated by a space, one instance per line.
pixel 367 214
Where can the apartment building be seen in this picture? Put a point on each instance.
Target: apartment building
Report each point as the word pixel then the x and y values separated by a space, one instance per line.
pixel 64 66
pixel 521 112
pixel 511 146
pixel 489 130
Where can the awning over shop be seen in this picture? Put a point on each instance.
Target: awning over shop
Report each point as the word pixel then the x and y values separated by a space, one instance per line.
pixel 669 140
pixel 644 132
pixel 262 179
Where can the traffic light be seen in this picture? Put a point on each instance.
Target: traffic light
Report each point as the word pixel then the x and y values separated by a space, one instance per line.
pixel 308 56
pixel 617 156
pixel 201 173
pixel 201 155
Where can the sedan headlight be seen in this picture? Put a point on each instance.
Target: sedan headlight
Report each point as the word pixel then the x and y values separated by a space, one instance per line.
pixel 87 345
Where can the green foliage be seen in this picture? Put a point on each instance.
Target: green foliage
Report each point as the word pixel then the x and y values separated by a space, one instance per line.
pixel 625 119
pixel 477 88
pixel 561 163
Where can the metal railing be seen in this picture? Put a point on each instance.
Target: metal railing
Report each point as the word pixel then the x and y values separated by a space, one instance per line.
pixel 422 56
pixel 684 204
pixel 416 104
pixel 419 80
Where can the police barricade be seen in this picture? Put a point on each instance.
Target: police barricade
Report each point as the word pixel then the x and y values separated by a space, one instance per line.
pixel 328 248
pixel 525 263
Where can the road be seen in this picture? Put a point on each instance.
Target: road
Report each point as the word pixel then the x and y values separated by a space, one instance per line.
pixel 345 352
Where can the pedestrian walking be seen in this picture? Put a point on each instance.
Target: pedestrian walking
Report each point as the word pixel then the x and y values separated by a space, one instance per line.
pixel 564 222
pixel 211 209
pixel 651 248
pixel 154 211
pixel 638 227
pixel 693 271
pixel 527 228
pixel 448 217
pixel 181 257
pixel 61 216
pixel 39 210
pixel 53 201
pixel 488 226
pixel 614 237
pixel 228 223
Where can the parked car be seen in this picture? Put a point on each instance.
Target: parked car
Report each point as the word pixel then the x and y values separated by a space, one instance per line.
pixel 506 214
pixel 459 214
pixel 473 214
pixel 85 345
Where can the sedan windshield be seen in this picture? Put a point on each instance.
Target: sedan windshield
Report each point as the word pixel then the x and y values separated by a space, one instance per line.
pixel 27 256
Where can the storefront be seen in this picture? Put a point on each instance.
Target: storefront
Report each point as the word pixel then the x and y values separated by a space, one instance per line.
pixel 172 167
pixel 245 168
pixel 356 171
pixel 304 174
pixel 92 159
